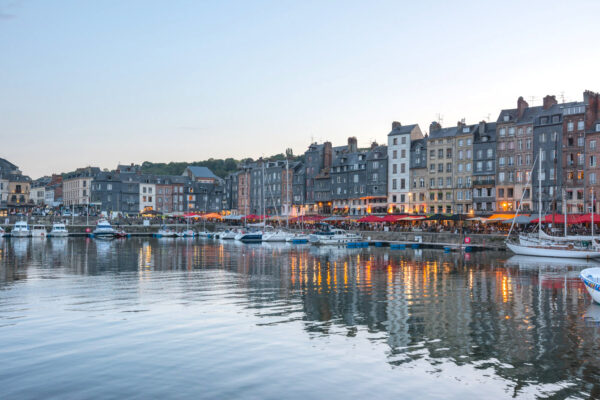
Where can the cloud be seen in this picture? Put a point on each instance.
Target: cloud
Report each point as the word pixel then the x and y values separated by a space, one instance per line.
pixel 6 7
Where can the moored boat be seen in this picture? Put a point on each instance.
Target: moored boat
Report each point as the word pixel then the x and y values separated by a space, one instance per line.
pixel 104 230
pixel 21 229
pixel 563 250
pixel 38 231
pixel 165 232
pixel 58 230
pixel 326 235
pixel 591 279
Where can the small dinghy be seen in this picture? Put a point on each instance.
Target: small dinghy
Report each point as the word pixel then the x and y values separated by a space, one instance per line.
pixel 591 280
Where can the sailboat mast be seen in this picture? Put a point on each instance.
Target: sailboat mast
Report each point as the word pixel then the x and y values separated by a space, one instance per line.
pixel 592 213
pixel 566 209
pixel 287 193
pixel 540 197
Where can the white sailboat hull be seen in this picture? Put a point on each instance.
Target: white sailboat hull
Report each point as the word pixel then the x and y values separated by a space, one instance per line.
pixel 550 252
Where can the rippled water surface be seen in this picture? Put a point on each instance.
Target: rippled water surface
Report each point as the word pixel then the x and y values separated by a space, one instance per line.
pixel 186 318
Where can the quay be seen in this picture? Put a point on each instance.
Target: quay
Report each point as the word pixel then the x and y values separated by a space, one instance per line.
pixel 394 240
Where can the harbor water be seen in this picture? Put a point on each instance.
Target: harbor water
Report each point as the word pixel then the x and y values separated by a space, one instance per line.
pixel 196 318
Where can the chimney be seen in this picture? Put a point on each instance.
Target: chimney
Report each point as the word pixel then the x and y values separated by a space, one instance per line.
pixel 460 124
pixel 396 125
pixel 592 108
pixel 327 154
pixel 482 127
pixel 434 126
pixel 521 107
pixel 374 145
pixel 352 144
pixel 549 101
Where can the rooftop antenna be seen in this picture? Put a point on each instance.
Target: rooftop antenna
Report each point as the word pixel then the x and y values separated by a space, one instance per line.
pixel 562 96
pixel 532 100
pixel 440 118
pixel 488 116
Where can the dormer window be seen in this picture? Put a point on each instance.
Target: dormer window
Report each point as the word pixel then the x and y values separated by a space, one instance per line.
pixel 506 118
pixel 598 127
pixel 465 130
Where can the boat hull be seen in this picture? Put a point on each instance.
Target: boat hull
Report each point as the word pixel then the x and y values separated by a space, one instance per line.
pixel 546 252
pixel 591 279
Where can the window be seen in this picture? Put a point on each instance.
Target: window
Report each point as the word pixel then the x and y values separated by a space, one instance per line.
pixel 431 153
pixel 402 168
pixel 468 167
pixel 395 154
pixel 440 182
pixel 469 142
pixel 395 141
pixel 432 168
pixel 460 168
pixel 402 183
pixel 394 168
pixel 592 161
pixel 394 184
pixel 490 153
pixel 489 165
pixel 403 139
pixel 592 145
pixel 440 167
pixel 448 167
pixel 460 143
pixel 460 154
pixel 432 182
pixel 580 141
pixel 479 166
pixel 592 178
pixel 440 153
pixel 503 130
pixel 501 177
pixel 511 131
pixel 403 153
pixel 543 138
pixel 109 186
pixel 528 143
pixel 570 126
pixel 580 125
pixel 448 182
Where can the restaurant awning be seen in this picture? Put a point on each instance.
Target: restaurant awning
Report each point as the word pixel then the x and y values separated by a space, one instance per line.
pixel 587 219
pixel 233 217
pixel 558 219
pixel 370 219
pixel 521 220
pixel 499 217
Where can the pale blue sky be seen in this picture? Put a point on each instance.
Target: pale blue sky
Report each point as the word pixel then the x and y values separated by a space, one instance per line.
pixel 98 82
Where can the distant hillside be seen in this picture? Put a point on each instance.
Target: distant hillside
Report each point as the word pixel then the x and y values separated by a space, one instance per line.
pixel 220 167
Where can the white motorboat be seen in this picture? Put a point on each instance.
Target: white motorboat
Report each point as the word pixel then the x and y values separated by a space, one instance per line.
pixel 327 235
pixel 166 232
pixel 272 235
pixel 229 234
pixel 104 229
pixel 58 230
pixel 254 236
pixel 298 238
pixel 187 233
pixel 203 234
pixel 38 231
pixel 591 280
pixel 21 229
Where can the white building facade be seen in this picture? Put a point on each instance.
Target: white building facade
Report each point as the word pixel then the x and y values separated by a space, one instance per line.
pixel 147 196
pixel 399 140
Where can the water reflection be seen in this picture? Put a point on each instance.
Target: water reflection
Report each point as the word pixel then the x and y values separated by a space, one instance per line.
pixel 523 323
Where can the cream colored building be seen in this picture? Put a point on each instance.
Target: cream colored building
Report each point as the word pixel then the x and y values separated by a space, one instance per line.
pixel 450 168
pixel 77 186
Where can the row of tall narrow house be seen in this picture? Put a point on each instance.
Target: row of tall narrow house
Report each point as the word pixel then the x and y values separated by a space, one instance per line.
pixel 475 169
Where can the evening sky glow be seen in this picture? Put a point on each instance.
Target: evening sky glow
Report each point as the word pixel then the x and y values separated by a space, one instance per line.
pixel 97 83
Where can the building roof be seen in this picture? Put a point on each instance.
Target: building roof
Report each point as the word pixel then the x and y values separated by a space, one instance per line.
pixel 201 172
pixel 402 130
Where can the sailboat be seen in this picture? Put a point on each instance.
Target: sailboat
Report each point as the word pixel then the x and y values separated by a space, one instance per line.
pixel 542 246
